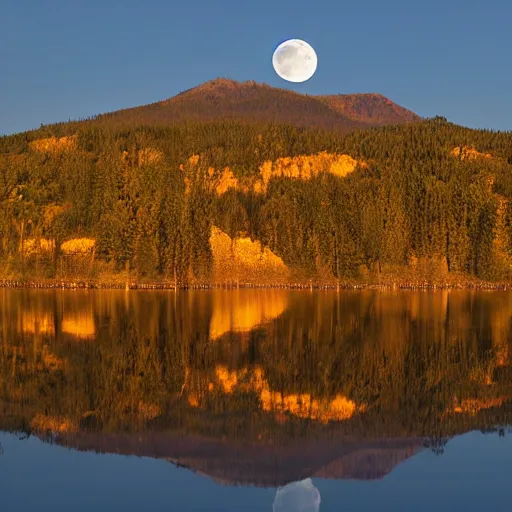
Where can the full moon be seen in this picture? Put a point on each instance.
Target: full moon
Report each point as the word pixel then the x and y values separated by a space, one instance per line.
pixel 295 60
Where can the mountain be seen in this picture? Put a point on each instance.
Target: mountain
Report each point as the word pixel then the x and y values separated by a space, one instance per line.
pixel 373 109
pixel 142 190
pixel 253 102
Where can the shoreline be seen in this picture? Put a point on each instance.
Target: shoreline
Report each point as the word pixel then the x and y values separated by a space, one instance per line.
pixel 309 285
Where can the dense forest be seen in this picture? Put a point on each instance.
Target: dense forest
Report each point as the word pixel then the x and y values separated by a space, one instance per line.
pixel 96 198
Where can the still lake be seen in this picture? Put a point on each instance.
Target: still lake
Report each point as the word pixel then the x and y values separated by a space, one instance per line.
pixel 257 400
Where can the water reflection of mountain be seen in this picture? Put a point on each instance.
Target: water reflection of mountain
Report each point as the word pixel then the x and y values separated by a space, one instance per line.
pixel 295 384
pixel 243 463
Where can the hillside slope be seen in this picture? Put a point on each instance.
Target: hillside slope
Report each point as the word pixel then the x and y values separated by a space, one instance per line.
pixel 373 109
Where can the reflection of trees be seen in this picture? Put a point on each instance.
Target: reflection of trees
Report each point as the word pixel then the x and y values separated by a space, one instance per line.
pixel 436 444
pixel 384 364
pixel 243 310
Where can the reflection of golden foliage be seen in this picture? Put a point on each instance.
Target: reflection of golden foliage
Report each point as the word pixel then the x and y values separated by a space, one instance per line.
pixel 149 411
pixel 36 322
pixel 468 153
pixel 193 401
pixel 80 325
pixel 38 359
pixel 243 310
pixel 54 145
pixel 244 260
pixel 78 246
pixel 481 376
pixel 37 246
pixel 55 425
pixel 502 356
pixel 302 405
pixel 228 380
pixel 473 405
pixel 50 361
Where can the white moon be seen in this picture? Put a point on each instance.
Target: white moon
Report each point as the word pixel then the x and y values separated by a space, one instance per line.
pixel 295 60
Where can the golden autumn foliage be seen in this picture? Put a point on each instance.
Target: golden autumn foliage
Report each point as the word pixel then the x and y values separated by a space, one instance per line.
pixel 51 424
pixel 301 405
pixel 466 153
pixel 147 156
pixel 54 144
pixel 307 166
pixel 244 260
pixel 78 246
pixel 193 160
pixel 226 181
pixel 37 246
pixel 144 156
pixel 190 173
pixel 243 310
pixel 299 167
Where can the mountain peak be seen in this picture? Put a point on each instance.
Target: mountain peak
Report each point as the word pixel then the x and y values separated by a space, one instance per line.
pixel 250 101
pixel 219 87
pixel 230 82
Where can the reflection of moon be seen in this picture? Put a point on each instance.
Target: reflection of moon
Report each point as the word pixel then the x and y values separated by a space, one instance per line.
pixel 295 60
pixel 300 496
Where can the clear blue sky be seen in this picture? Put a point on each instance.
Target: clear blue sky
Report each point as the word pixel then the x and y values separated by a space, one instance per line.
pixel 65 59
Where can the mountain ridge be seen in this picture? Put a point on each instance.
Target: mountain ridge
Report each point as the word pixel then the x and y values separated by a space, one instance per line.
pixel 224 98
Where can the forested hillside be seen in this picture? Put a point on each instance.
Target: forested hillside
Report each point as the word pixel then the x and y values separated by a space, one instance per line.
pixel 85 200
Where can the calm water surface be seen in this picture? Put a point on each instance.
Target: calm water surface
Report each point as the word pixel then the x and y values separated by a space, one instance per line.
pixel 264 400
